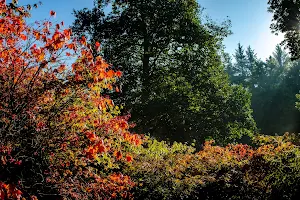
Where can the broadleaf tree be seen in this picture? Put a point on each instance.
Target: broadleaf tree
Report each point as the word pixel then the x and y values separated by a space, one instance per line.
pixel 286 20
pixel 170 58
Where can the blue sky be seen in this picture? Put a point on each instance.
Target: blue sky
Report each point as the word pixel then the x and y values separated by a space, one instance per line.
pixel 250 24
pixel 250 20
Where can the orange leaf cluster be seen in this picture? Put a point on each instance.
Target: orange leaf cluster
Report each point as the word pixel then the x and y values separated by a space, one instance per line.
pixel 9 191
pixel 58 105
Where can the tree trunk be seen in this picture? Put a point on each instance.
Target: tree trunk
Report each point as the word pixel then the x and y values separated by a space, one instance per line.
pixel 146 73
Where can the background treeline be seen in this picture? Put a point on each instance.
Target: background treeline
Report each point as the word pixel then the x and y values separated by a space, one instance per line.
pixel 273 84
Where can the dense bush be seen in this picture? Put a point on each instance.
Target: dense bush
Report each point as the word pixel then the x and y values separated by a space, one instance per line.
pixel 268 171
pixel 61 136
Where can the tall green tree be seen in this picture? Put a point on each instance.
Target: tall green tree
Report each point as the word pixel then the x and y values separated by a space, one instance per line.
pixel 278 66
pixel 273 99
pixel 251 58
pixel 174 84
pixel 246 68
pixel 138 31
pixel 288 114
pixel 281 58
pixel 228 64
pixel 241 69
pixel 200 97
pixel 273 85
pixel 286 19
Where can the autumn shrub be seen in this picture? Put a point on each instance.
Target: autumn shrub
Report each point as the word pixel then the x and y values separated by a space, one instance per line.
pixel 61 134
pixel 163 171
pixel 158 169
pixel 268 171
pixel 275 168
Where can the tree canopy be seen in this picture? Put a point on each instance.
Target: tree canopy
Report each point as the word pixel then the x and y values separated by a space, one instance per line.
pixel 273 84
pixel 174 84
pixel 286 19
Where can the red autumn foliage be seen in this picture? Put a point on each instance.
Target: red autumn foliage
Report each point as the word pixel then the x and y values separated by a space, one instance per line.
pixel 128 158
pixel 52 13
pixel 57 128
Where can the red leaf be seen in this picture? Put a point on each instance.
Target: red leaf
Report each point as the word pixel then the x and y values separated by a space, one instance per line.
pixel 118 155
pixel 110 73
pixel 61 68
pixel 119 74
pixel 23 37
pixel 52 13
pixel 129 158
pixel 97 45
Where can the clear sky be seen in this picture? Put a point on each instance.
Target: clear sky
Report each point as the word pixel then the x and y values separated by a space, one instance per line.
pixel 250 20
pixel 250 24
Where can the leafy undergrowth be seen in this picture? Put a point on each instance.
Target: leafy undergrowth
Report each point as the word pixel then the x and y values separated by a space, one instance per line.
pixel 160 171
pixel 268 171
